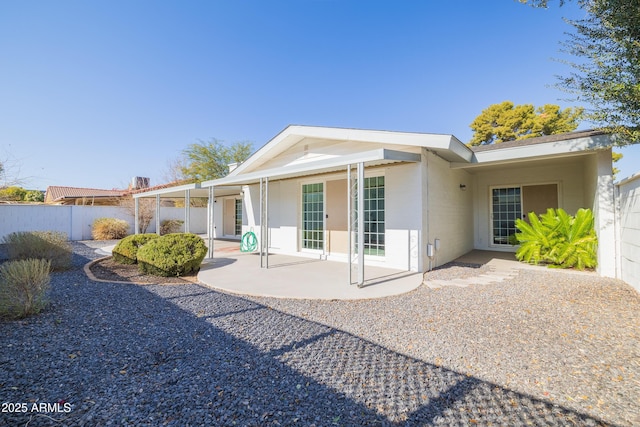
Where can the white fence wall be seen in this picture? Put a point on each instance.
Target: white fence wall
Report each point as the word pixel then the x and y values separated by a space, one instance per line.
pixel 629 230
pixel 76 221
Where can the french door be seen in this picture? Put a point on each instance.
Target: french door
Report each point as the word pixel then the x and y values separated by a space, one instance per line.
pixel 313 216
pixel 511 203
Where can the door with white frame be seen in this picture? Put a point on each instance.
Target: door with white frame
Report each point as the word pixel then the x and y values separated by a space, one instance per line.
pixel 313 218
pixel 511 203
pixel 232 218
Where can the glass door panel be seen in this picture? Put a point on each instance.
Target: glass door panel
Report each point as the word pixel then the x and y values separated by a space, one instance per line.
pixel 506 208
pixel 313 216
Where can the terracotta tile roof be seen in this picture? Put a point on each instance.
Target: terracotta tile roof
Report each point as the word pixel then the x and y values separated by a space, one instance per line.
pixel 57 193
pixel 538 140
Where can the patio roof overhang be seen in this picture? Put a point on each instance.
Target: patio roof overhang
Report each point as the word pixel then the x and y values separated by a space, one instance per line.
pixel 369 158
pixel 178 192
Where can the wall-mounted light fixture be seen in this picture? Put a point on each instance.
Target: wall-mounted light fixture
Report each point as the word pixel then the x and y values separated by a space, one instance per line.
pixel 463 187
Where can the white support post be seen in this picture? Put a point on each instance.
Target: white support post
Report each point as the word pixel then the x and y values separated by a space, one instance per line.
pixel 210 223
pixel 264 222
pixel 350 216
pixel 261 228
pixel 136 219
pixel 360 213
pixel 187 212
pixel 158 214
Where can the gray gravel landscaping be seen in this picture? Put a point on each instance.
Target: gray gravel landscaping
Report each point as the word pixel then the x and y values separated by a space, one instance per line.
pixel 541 349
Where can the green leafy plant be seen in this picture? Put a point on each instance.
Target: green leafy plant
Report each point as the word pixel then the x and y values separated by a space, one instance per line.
pixel 109 229
pixel 49 245
pixel 23 287
pixel 169 226
pixel 558 239
pixel 126 251
pixel 172 255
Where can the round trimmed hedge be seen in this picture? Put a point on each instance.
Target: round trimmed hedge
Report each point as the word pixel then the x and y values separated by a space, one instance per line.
pixel 126 251
pixel 174 254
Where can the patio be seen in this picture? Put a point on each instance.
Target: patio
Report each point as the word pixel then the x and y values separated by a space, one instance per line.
pixel 298 277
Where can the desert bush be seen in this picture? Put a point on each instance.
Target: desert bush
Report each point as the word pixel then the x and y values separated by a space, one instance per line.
pixel 172 255
pixel 109 229
pixel 170 226
pixel 23 287
pixel 558 239
pixel 126 251
pixel 49 245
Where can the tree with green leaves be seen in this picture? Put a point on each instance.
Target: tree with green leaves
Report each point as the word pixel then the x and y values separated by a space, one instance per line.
pixel 210 160
pixel 509 122
pixel 607 75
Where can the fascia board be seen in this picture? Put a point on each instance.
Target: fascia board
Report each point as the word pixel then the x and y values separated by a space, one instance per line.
pixel 320 166
pixel 537 151
pixel 177 191
pixel 447 146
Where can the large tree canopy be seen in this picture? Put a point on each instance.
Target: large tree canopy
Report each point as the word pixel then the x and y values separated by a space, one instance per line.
pixel 508 122
pixel 607 75
pixel 210 160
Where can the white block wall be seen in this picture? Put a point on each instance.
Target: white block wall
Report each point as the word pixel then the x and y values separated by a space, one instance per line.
pixel 629 231
pixel 76 221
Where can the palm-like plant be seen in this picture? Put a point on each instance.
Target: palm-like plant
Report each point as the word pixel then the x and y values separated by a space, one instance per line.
pixel 558 239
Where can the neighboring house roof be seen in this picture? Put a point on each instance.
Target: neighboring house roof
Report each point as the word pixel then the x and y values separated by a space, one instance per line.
pixel 57 194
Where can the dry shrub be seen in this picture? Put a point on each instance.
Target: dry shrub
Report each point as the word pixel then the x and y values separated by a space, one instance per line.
pixel 50 245
pixel 23 287
pixel 109 229
pixel 169 226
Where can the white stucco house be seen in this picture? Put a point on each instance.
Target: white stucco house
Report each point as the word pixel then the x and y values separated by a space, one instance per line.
pixel 409 201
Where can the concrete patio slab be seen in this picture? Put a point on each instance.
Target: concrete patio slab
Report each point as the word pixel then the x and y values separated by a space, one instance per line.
pixel 299 278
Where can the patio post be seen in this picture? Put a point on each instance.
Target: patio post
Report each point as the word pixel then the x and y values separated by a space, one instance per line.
pixel 187 206
pixel 136 219
pixel 210 223
pixel 360 214
pixel 264 222
pixel 158 214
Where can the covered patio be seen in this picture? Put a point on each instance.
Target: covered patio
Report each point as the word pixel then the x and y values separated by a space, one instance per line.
pixel 298 277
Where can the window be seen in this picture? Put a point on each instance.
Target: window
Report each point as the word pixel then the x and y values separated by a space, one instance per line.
pixel 313 216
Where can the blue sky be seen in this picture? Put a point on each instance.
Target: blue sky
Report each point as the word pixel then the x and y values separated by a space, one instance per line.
pixel 95 92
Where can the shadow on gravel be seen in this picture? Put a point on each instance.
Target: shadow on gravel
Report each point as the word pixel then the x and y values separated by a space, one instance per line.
pixel 183 355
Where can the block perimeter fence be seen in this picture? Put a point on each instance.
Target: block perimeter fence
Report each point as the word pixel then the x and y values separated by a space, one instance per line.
pixel 76 221
pixel 628 230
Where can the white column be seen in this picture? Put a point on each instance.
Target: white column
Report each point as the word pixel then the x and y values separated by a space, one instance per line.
pixel 158 214
pixel 360 213
pixel 187 211
pixel 210 223
pixel 136 219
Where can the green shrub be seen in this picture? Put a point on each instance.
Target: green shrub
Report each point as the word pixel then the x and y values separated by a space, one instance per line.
pixel 172 255
pixel 126 251
pixel 558 239
pixel 109 229
pixel 49 245
pixel 23 287
pixel 169 226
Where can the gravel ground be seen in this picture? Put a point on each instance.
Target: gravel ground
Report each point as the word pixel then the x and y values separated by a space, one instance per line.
pixel 542 349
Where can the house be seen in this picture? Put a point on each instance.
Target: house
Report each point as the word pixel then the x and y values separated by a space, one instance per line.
pixel 409 201
pixel 57 195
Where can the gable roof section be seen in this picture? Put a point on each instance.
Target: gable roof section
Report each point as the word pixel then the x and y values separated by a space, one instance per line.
pixel 447 146
pixel 551 146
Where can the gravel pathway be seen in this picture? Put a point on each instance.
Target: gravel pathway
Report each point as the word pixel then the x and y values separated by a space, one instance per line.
pixel 541 349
